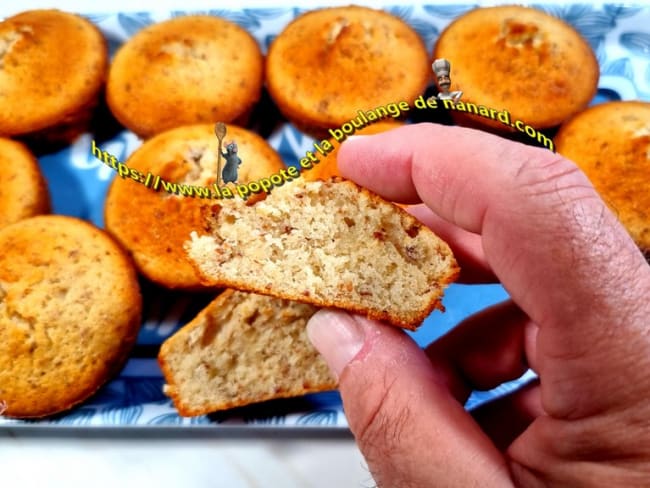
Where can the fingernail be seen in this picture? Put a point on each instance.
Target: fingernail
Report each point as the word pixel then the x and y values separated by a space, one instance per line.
pixel 337 336
pixel 356 137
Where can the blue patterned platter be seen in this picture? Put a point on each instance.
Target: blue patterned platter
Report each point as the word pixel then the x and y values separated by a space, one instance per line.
pixel 78 183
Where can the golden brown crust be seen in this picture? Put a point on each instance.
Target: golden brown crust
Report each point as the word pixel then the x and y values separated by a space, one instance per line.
pixel 23 191
pixel 53 65
pixel 410 319
pixel 205 328
pixel 153 225
pixel 187 70
pixel 186 410
pixel 70 310
pixel 610 142
pixel 520 59
pixel 329 63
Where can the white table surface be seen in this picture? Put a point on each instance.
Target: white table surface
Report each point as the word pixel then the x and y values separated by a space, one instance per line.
pixel 126 461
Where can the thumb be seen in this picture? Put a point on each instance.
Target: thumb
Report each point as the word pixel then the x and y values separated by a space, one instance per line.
pixel 396 403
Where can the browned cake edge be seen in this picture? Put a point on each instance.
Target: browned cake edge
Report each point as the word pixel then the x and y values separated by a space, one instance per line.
pixel 411 321
pixel 187 410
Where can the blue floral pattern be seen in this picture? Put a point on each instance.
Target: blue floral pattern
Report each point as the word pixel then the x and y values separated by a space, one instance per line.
pixel 78 184
pixel 133 22
pixel 636 43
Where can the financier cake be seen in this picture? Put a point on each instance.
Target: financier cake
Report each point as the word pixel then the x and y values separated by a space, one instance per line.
pixel 23 191
pixel 328 64
pixel 534 65
pixel 610 142
pixel 328 243
pixel 186 70
pixel 52 67
pixel 242 348
pixel 70 310
pixel 153 225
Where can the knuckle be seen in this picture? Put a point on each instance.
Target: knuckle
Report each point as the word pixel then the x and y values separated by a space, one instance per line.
pixel 556 177
pixel 382 423
pixel 557 191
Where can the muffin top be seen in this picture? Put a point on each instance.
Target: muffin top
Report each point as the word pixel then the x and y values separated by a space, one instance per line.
pixel 52 65
pixel 182 71
pixel 610 142
pixel 520 59
pixel 70 310
pixel 23 192
pixel 329 63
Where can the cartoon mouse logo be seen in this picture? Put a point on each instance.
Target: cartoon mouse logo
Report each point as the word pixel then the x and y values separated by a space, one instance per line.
pixel 229 173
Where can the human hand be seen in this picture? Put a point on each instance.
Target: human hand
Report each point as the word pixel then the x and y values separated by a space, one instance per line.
pixel 579 316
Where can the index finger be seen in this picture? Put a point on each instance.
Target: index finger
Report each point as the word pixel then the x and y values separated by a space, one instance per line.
pixel 438 164
pixel 545 233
